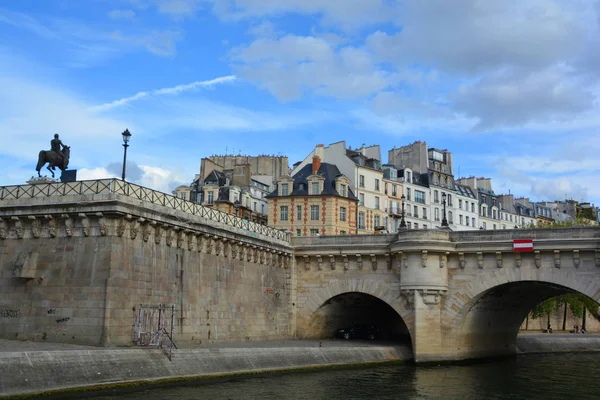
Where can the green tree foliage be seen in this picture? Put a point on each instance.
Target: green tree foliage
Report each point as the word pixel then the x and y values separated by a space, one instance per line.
pixel 577 302
pixel 587 213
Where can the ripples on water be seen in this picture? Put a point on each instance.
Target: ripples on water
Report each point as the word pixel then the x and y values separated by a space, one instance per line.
pixel 568 376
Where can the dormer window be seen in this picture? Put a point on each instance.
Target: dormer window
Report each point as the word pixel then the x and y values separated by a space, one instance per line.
pixel 314 187
pixel 285 189
pixel 343 190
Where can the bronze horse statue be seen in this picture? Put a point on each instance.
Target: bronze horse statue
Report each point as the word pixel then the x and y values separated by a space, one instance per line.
pixel 53 160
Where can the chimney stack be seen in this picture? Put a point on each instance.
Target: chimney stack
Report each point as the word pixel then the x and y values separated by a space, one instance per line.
pixel 316 164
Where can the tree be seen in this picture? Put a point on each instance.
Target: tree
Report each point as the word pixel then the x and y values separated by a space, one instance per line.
pixel 577 303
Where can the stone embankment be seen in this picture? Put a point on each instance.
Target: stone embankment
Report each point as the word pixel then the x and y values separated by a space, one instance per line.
pixel 28 369
pixel 27 372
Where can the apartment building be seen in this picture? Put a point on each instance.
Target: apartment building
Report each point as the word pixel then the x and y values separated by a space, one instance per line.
pixel 317 200
pixel 362 166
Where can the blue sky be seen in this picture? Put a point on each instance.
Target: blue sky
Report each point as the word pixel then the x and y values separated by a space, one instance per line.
pixel 510 87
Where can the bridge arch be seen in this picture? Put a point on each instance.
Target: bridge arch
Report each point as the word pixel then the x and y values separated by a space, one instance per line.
pixel 347 301
pixel 485 314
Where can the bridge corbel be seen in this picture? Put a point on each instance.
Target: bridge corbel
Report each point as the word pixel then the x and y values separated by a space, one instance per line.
pixel 102 224
pixel 18 227
pixel 480 259
pixel 557 258
pixel 3 229
pixel 36 229
pixel 461 260
pixel 576 259
pixel 332 261
pixel 499 259
pixel 388 261
pixel 373 258
pixel 538 258
pixel 518 260
pixel 68 224
pixel 52 230
pixel 444 259
pixel 345 261
pixel 319 262
pixel 359 263
pixel 424 258
pixel 306 262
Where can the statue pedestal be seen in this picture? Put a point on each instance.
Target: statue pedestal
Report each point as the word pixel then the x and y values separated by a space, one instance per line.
pixel 43 179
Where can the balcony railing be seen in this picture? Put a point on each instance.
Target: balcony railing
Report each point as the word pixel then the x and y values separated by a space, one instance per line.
pixel 115 186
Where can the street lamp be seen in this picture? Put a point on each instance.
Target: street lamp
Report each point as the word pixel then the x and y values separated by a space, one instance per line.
pixel 126 136
pixel 444 220
pixel 403 221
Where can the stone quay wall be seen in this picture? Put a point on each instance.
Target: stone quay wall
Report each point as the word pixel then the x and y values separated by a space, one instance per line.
pixel 75 269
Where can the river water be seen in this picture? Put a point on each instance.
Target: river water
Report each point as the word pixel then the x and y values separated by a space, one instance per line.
pixel 565 376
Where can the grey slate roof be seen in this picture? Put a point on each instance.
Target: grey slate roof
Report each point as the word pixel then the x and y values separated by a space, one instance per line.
pixel 329 171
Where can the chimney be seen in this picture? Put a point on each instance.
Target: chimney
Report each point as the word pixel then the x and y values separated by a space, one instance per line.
pixel 316 164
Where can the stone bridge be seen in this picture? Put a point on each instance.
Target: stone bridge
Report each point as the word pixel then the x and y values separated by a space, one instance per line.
pixel 456 295
pixel 78 259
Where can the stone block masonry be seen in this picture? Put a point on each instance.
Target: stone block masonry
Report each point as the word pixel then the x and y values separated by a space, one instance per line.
pixel 74 269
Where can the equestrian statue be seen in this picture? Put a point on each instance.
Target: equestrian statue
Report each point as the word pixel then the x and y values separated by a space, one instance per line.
pixel 58 156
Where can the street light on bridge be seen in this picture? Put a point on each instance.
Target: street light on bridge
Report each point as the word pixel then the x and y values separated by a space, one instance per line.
pixel 403 221
pixel 126 136
pixel 444 220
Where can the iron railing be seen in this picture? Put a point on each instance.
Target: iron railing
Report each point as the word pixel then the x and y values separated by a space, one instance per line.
pixel 116 186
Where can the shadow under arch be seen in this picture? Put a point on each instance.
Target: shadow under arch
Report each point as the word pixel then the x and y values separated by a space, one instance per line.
pixel 488 323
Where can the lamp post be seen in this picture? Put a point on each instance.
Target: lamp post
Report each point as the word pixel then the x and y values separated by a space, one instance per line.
pixel 444 220
pixel 403 221
pixel 126 136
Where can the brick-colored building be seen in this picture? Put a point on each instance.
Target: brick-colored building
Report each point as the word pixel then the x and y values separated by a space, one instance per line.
pixel 317 200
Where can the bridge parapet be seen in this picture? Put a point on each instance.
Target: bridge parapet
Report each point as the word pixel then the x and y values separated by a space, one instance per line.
pixel 48 193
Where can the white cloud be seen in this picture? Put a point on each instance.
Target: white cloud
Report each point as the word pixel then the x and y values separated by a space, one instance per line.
pixel 121 14
pixel 160 92
pixel 84 174
pixel 290 65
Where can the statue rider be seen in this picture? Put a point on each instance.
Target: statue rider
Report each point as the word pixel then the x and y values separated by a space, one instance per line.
pixel 56 146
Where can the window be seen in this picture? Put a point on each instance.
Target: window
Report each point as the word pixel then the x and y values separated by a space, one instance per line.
pixel 493 202
pixel 460 219
pixel 472 207
pixel 416 212
pixel 419 196
pixel 361 199
pixel 298 232
pixel 450 220
pixel 460 204
pixel 284 213
pixel 342 232
pixel 376 221
pixel 424 226
pixel 314 213
pixel 494 214
pixel 394 190
pixel 299 213
pixel 407 193
pixel 361 220
pixel 343 214
pixel 361 181
pixel 435 196
pixel 377 202
pixel 435 179
pixel 450 200
pixel 483 225
pixel 424 213
pixel 436 214
pixel 285 189
pixel 467 221
pixel 377 185
pixel 254 206
pixel 408 176
pixel 408 225
pixel 343 190
pixel 473 224
pixel 211 197
pixel 314 232
pixel 416 226
pixel 494 226
pixel 315 188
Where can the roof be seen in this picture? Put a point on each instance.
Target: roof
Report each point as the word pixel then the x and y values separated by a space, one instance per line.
pixel 216 176
pixel 328 171
pixel 465 191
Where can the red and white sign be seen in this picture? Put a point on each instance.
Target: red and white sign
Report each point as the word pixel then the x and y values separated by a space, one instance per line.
pixel 523 245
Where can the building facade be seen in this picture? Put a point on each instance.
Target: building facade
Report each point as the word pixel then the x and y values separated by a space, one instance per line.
pixel 317 200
